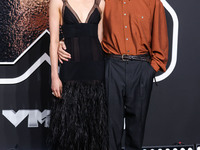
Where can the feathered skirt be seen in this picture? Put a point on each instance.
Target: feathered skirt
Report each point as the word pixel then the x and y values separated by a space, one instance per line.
pixel 79 119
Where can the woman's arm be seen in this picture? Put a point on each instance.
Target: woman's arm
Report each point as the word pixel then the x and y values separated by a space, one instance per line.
pixel 100 26
pixel 55 12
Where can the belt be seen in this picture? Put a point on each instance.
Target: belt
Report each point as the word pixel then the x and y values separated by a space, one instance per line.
pixel 125 57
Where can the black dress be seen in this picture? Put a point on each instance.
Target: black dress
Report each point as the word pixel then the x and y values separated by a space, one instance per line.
pixel 79 119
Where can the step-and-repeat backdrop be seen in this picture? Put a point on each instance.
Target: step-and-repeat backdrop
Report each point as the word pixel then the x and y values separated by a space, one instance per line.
pixel 25 94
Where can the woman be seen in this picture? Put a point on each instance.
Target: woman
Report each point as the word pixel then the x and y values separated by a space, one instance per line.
pixel 78 117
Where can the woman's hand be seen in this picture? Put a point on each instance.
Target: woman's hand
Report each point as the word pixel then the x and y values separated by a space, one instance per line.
pixel 55 19
pixel 56 87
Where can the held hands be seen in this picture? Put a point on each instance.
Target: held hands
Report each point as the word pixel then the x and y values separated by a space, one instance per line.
pixel 56 87
pixel 62 54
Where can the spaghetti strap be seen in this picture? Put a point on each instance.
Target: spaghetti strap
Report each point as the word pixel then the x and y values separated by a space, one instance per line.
pixel 63 8
pixel 97 2
pixel 95 5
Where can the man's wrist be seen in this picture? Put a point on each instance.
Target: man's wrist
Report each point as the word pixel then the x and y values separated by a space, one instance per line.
pixel 155 66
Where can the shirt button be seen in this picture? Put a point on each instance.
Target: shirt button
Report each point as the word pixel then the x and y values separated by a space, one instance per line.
pixel 125 26
pixel 124 14
pixel 124 2
pixel 127 39
pixel 128 51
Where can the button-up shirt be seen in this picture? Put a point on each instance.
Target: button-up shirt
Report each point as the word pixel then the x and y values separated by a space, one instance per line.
pixel 136 27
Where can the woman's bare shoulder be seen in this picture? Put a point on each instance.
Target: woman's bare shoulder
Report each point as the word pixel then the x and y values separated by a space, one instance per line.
pixel 56 3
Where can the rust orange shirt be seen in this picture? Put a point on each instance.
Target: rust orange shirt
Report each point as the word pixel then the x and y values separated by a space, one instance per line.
pixel 136 27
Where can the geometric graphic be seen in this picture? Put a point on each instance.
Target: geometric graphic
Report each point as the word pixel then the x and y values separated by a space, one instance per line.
pixel 36 65
pixel 25 97
pixel 174 42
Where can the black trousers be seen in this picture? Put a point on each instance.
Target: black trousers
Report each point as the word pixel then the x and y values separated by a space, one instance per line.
pixel 128 87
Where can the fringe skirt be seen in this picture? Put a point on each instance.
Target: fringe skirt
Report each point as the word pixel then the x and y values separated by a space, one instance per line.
pixel 79 119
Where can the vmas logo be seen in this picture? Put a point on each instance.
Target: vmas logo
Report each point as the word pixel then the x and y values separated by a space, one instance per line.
pixel 30 87
pixel 34 116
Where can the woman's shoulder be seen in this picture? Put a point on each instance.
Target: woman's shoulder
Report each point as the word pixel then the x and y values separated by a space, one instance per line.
pixel 56 3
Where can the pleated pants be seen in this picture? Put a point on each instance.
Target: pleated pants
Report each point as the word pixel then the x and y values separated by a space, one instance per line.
pixel 128 88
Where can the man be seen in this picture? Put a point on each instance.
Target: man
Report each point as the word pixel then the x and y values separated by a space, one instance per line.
pixel 136 45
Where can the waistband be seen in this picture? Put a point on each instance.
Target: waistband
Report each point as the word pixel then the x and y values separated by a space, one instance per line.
pixel 80 30
pixel 125 57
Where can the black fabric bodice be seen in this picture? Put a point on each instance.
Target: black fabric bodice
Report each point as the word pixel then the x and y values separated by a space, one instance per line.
pixel 81 39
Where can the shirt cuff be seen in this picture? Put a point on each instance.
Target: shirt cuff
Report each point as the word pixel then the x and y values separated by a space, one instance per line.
pixel 155 66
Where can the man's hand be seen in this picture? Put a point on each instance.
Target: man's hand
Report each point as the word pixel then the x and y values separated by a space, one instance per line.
pixel 62 54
